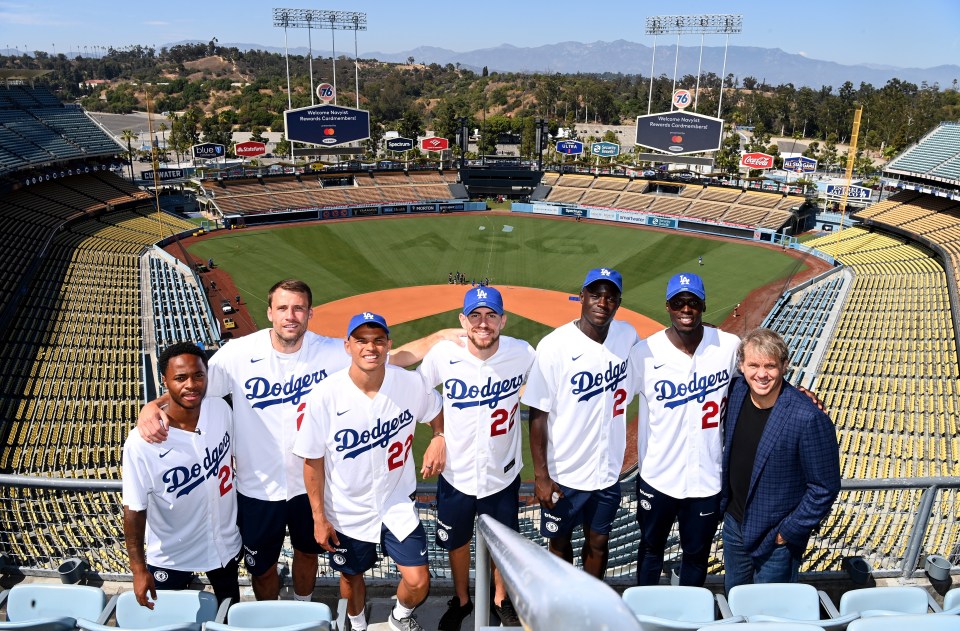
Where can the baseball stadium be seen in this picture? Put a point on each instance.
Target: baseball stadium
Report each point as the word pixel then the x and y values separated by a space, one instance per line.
pixel 101 272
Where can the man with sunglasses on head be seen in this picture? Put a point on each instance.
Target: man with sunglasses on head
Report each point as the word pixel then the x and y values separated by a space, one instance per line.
pixel 682 375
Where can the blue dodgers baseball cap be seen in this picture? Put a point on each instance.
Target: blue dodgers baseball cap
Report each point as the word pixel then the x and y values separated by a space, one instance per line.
pixel 684 282
pixel 482 297
pixel 367 318
pixel 604 273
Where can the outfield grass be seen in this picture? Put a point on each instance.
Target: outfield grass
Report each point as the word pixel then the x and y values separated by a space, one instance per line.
pixel 349 258
pixel 344 259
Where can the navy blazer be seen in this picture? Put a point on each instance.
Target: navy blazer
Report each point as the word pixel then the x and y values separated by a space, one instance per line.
pixel 796 473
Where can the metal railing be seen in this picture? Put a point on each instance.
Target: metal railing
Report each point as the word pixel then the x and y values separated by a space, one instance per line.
pixel 891 523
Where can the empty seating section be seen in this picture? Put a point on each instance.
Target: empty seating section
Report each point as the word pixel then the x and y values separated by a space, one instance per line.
pixel 889 379
pixel 71 359
pixel 935 154
pixel 802 321
pixel 282 194
pixel 716 204
pixel 178 305
pixel 927 216
pixel 36 128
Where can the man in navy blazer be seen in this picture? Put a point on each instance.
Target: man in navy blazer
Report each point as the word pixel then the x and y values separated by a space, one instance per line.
pixel 781 467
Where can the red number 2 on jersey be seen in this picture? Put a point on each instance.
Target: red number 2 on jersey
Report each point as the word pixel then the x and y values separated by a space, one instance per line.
pixel 226 479
pixel 619 397
pixel 500 418
pixel 398 453
pixel 713 413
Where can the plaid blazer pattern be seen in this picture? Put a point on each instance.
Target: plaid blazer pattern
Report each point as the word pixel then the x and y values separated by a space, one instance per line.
pixel 796 472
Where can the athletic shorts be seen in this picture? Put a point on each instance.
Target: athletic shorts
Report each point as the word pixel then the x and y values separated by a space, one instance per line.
pixel 595 510
pixel 263 525
pixel 223 580
pixel 353 556
pixel 456 512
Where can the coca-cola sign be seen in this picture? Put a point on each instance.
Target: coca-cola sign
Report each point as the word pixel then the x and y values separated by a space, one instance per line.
pixel 756 160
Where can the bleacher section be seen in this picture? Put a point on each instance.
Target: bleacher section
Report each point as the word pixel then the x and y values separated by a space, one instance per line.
pixel 802 321
pixel 926 216
pixel 245 197
pixel 36 129
pixel 889 379
pixel 178 304
pixel 715 204
pixel 936 155
pixel 72 358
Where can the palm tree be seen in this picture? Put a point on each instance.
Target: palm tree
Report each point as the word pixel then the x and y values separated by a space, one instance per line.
pixel 128 135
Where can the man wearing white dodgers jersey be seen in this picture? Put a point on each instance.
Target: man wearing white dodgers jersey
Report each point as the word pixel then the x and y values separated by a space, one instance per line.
pixel 578 392
pixel 682 375
pixel 179 498
pixel 270 374
pixel 481 400
pixel 359 471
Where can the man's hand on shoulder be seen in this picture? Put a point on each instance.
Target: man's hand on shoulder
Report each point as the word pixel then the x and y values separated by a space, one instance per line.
pixel 152 422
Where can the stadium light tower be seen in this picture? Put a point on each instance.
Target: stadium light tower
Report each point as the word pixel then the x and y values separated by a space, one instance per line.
pixel 323 19
pixel 692 24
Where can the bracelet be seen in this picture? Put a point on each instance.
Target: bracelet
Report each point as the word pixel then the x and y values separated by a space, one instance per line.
pixel 439 434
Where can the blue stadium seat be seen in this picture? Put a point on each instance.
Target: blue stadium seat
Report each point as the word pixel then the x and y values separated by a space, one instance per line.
pixel 908 622
pixel 664 607
pixel 172 611
pixel 951 601
pixel 290 615
pixel 782 602
pixel 50 606
pixel 873 601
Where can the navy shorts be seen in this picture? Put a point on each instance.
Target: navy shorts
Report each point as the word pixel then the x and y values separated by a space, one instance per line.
pixel 223 580
pixel 595 510
pixel 456 512
pixel 355 557
pixel 263 525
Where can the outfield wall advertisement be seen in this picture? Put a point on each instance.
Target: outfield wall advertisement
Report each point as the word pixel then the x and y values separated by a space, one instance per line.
pixel 603 213
pixel 631 216
pixel 546 209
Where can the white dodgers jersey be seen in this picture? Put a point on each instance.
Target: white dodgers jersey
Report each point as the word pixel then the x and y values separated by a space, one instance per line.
pixel 186 485
pixel 683 401
pixel 481 406
pixel 584 386
pixel 366 449
pixel 270 391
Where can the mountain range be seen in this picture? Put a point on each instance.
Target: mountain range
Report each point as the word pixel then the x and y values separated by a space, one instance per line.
pixel 771 65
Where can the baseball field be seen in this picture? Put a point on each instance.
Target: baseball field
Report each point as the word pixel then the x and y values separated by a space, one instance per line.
pixel 343 259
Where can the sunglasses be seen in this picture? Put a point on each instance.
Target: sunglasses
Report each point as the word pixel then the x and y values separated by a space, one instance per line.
pixel 679 303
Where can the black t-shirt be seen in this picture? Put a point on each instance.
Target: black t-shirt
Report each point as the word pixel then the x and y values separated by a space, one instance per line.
pixel 743 453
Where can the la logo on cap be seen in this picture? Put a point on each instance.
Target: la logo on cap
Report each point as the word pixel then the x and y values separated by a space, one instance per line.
pixel 684 280
pixel 604 271
pixel 367 315
pixel 481 294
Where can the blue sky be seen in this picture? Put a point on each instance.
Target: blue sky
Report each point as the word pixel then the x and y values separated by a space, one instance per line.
pixel 921 33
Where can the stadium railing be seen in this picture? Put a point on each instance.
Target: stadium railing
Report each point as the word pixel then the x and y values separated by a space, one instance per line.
pixel 891 523
pixel 547 592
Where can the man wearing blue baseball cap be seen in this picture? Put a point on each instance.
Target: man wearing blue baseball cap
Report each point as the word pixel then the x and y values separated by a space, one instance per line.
pixel 356 443
pixel 481 399
pixel 578 392
pixel 682 375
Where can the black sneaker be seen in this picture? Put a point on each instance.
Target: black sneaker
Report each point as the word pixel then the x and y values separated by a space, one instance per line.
pixel 455 614
pixel 404 624
pixel 507 614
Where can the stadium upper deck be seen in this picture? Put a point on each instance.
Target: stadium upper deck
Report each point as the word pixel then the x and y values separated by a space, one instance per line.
pixel 36 129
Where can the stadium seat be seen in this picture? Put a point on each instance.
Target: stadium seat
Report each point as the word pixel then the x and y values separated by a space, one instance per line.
pixel 172 611
pixel 951 601
pixel 673 607
pixel 907 622
pixel 881 601
pixel 43 606
pixel 776 626
pixel 781 602
pixel 289 615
